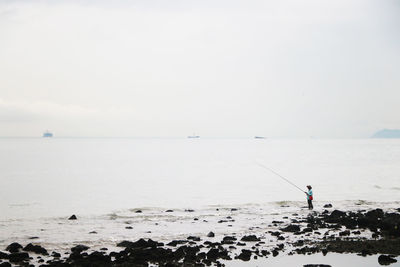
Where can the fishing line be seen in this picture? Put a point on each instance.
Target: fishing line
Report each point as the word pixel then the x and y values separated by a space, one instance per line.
pixel 274 172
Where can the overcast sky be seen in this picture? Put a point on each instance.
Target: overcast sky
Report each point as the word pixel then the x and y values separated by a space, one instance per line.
pixel 277 68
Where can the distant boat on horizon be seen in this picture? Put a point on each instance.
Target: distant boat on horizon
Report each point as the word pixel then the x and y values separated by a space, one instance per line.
pixel 259 137
pixel 193 136
pixel 47 134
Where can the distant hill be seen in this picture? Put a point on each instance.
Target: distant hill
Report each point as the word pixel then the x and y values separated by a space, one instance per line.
pixel 387 133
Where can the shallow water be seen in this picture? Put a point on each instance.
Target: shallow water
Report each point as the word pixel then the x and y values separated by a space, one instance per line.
pixel 103 182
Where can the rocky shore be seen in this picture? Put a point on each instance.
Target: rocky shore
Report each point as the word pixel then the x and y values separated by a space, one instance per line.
pixel 363 232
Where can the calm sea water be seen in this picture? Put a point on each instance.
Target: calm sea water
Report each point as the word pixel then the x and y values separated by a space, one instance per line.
pixel 58 177
pixel 105 181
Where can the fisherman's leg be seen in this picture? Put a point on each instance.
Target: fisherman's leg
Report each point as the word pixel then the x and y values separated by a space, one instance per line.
pixel 311 205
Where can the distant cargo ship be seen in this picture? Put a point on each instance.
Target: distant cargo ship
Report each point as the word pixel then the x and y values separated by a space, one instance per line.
pixel 47 134
pixel 194 136
pixel 259 137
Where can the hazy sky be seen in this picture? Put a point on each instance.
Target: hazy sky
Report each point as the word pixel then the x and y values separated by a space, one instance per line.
pixel 278 68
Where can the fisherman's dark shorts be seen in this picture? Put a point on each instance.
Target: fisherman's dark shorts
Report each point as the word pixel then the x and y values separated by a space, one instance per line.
pixel 310 206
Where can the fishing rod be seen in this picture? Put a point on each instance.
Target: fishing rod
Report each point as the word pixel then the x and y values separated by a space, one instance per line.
pixel 274 172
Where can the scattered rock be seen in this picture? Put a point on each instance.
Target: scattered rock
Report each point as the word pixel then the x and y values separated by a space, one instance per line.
pixel 386 259
pixel 18 257
pixel 79 248
pixel 250 238
pixel 55 254
pixel 3 255
pixel 141 243
pixel 210 234
pixel 73 217
pixel 337 214
pixel 291 228
pixel 245 255
pixel 36 249
pixel 344 233
pixel 14 247
pixel 328 206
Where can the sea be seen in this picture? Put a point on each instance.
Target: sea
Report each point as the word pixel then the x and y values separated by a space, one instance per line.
pixel 169 188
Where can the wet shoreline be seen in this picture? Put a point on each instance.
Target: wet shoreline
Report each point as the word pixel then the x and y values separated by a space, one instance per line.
pixel 360 232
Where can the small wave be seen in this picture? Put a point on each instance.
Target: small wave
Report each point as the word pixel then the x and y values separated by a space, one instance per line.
pixel 377 187
pixel 395 188
pixel 362 202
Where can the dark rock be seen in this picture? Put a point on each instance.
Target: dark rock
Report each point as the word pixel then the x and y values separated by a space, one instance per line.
pixel 14 247
pixel 376 213
pixel 34 237
pixel 386 259
pixel 265 252
pixel 138 211
pixel 141 243
pixel 3 255
pixel 210 234
pixel 281 238
pixel 73 217
pixel 291 228
pixel 276 233
pixel 317 265
pixel 18 257
pixel 328 206
pixel 275 253
pixel 169 211
pixel 231 238
pixel 129 227
pixel 298 243
pixel 36 249
pixel 337 214
pixel 5 264
pixel 56 254
pixel 245 255
pixel 277 222
pixel 99 257
pixel 344 233
pixel 93 232
pixel 79 248
pixel 234 209
pixel 189 210
pixel 250 238
pixel 240 244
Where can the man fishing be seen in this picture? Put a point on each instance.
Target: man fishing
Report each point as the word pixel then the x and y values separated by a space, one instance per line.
pixel 309 197
pixel 309 193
